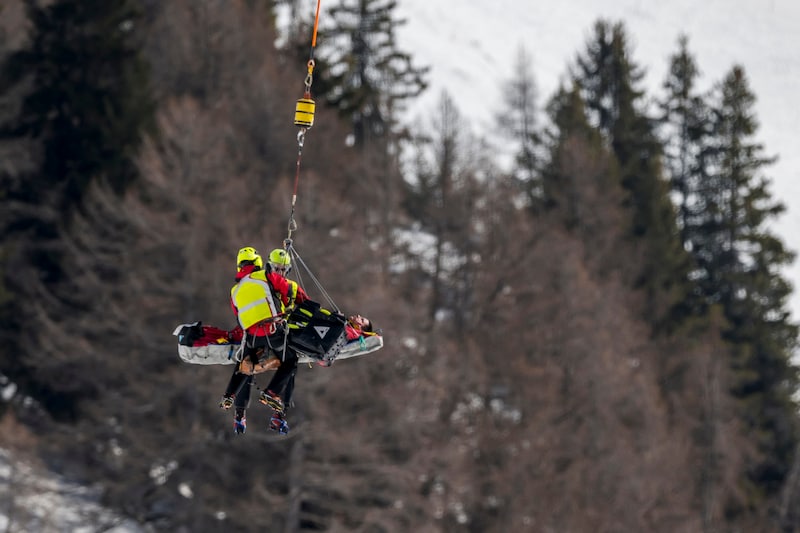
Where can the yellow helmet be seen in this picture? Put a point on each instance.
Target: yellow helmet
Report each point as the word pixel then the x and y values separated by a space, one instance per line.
pixel 248 256
pixel 279 260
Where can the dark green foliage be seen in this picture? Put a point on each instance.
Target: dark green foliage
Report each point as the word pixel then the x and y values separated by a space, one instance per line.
pixel 609 82
pixel 567 112
pixel 369 78
pixel 83 107
pixel 685 125
pixel 89 100
pixel 741 264
pixel 684 119
pixel 724 204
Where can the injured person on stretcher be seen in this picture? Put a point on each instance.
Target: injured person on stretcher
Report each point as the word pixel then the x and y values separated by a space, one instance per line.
pixel 318 335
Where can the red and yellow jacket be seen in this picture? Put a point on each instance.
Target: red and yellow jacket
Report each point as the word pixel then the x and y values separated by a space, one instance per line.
pixel 254 302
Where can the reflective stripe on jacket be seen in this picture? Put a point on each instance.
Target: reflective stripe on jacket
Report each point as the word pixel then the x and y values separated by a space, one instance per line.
pixel 253 300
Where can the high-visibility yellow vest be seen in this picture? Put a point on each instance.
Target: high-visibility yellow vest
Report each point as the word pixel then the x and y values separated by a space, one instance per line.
pixel 253 299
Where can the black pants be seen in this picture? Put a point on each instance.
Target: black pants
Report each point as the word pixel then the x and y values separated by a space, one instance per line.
pixel 282 383
pixel 239 386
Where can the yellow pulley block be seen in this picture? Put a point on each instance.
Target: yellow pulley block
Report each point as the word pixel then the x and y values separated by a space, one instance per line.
pixel 304 113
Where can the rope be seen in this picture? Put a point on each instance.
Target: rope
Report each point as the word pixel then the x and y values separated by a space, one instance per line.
pixel 297 260
pixel 304 118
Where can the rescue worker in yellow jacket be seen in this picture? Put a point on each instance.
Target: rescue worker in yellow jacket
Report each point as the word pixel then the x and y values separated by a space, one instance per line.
pixel 260 300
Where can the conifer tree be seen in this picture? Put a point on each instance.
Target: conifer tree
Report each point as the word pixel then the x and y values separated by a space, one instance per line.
pixel 86 104
pixel 743 266
pixel 568 115
pixel 369 76
pixel 89 100
pixel 614 105
pixel 609 81
pixel 683 121
pixel 582 185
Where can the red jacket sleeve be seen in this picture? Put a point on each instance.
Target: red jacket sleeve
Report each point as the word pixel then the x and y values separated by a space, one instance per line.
pixel 289 290
pixel 301 295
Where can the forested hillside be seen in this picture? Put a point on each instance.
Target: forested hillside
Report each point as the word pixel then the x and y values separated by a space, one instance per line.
pixel 596 341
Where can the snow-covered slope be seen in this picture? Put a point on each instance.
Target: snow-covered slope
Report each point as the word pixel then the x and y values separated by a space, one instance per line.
pixel 38 501
pixel 471 47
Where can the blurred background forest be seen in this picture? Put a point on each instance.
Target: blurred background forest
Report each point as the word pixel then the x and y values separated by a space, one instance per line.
pixel 597 340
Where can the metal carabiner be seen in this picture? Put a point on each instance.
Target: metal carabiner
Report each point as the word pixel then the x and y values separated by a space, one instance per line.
pixel 310 77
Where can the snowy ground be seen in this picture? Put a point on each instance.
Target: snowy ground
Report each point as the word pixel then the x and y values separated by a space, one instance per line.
pixel 42 503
